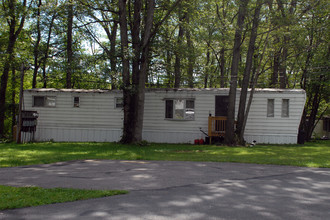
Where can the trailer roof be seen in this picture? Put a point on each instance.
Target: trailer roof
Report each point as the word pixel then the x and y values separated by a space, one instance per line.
pixel 259 90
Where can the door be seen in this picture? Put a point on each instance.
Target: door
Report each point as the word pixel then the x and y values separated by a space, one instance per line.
pixel 221 106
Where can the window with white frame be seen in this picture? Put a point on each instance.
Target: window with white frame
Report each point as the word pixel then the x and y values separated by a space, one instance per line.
pixel 44 101
pixel 285 108
pixel 270 108
pixel 180 109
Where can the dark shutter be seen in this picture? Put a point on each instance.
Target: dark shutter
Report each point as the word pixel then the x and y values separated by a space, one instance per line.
pixel 169 109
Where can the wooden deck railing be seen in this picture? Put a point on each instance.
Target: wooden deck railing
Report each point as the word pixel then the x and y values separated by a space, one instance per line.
pixel 217 126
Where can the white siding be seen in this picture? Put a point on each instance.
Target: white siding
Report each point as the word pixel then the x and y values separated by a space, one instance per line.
pixel 97 119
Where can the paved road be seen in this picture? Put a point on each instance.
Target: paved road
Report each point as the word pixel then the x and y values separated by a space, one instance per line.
pixel 177 190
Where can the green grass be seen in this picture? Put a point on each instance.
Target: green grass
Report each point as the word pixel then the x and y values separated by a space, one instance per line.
pixel 18 197
pixel 312 154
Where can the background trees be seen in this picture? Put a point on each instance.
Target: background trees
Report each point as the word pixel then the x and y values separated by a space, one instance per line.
pixel 80 44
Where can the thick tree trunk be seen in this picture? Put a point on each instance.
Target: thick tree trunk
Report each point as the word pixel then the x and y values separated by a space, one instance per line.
pixel 134 93
pixel 247 71
pixel 230 125
pixel 312 116
pixel 127 128
pixel 9 58
pixel 13 97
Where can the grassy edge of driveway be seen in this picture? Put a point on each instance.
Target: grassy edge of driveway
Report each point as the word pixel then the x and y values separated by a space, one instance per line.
pixel 19 197
pixel 312 154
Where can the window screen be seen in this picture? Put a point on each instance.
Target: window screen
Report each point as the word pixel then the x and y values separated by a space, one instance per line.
pixel 119 102
pixel 285 107
pixel 190 110
pixel 179 109
pixel 270 107
pixel 44 101
pixel 38 101
pixel 50 101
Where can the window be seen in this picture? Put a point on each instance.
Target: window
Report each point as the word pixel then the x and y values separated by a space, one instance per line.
pixel 119 102
pixel 44 101
pixel 76 102
pixel 270 107
pixel 180 109
pixel 285 108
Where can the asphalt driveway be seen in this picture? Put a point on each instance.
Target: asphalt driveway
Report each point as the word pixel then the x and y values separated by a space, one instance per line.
pixel 177 190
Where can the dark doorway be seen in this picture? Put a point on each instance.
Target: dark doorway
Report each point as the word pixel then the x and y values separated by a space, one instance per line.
pixel 221 106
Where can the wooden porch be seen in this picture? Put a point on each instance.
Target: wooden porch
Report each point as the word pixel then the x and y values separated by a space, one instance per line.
pixel 217 126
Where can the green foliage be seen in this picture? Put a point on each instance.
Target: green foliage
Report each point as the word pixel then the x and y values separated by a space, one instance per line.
pixel 19 197
pixel 312 154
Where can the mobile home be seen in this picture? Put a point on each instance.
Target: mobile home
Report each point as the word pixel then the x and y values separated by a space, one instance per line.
pixel 170 115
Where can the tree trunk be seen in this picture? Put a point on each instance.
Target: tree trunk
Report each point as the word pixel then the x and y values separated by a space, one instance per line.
pixel 276 67
pixel 230 125
pixel 177 65
pixel 46 52
pixel 207 69
pixel 9 58
pixel 315 106
pixel 247 71
pixel 134 93
pixel 191 60
pixel 222 68
pixel 69 46
pixel 127 129
pixel 13 97
pixel 282 67
pixel 113 58
pixel 168 68
pixel 36 48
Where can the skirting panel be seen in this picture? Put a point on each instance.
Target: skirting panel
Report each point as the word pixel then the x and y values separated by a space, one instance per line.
pixel 77 134
pixel 171 137
pixel 271 139
pixel 113 135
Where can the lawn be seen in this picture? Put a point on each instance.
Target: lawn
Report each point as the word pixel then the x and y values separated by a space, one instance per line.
pixel 18 197
pixel 312 154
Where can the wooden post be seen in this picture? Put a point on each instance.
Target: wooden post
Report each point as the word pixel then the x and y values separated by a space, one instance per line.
pixel 19 127
pixel 210 129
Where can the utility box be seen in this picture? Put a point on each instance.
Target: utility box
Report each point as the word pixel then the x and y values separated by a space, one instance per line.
pixel 29 125
pixel 29 121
